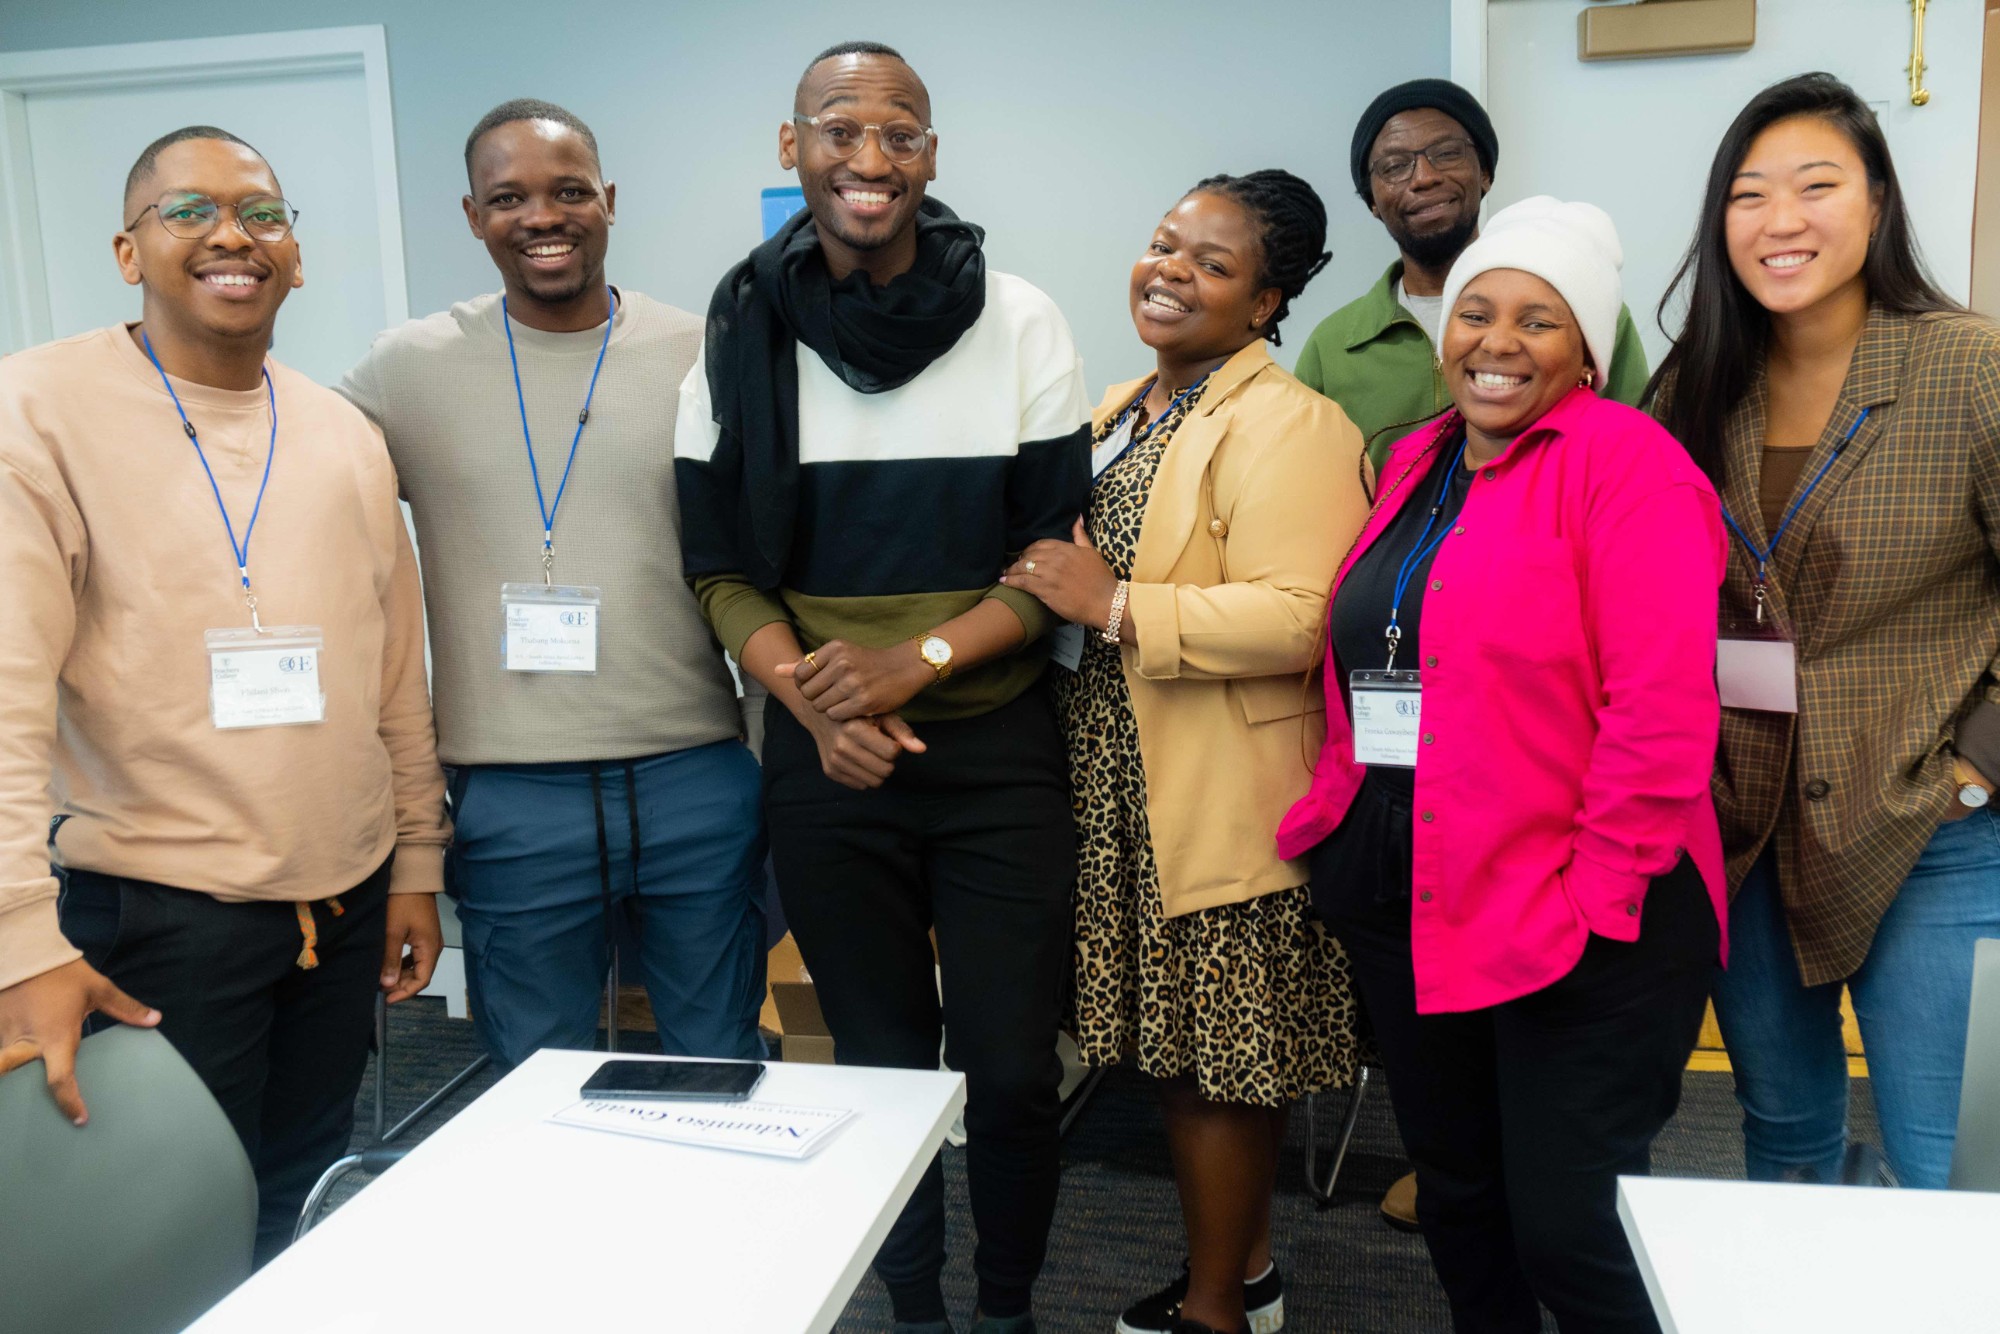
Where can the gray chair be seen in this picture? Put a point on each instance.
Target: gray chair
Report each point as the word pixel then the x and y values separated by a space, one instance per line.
pixel 374 1160
pixel 1975 1156
pixel 136 1223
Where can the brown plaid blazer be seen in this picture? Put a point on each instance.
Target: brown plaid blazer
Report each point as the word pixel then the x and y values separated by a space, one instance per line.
pixel 1889 581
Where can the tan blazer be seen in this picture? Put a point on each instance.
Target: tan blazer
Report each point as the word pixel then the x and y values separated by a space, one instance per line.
pixel 1255 503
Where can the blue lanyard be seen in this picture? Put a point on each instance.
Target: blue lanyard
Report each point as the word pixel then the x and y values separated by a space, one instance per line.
pixel 1763 555
pixel 1426 546
pixel 1134 406
pixel 546 510
pixel 241 550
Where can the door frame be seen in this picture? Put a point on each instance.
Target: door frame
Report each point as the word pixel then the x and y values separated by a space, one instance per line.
pixel 24 298
pixel 1468 46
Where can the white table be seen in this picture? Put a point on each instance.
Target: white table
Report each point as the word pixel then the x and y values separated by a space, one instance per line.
pixel 500 1221
pixel 1723 1257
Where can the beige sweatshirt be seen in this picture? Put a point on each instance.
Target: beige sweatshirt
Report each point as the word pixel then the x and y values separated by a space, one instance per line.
pixel 115 563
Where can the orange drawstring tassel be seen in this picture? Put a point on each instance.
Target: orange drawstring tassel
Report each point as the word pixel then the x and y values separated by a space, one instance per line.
pixel 308 956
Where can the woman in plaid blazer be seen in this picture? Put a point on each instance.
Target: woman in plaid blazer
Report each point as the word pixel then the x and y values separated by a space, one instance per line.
pixel 1849 415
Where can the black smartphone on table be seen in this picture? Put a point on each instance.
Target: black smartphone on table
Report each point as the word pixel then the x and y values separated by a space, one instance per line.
pixel 678 1081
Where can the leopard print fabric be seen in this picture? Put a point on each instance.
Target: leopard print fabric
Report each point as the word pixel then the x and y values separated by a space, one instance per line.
pixel 1251 999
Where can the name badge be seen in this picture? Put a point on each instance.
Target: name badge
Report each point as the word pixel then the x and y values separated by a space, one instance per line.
pixel 549 629
pixel 265 679
pixel 1756 667
pixel 1066 646
pixel 1106 452
pixel 1387 710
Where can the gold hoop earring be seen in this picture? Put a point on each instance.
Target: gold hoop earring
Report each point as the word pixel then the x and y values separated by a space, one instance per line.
pixel 1587 379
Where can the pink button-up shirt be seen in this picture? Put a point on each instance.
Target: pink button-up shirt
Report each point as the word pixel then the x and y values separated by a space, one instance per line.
pixel 1569 709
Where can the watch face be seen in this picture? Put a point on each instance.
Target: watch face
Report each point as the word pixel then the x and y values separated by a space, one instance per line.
pixel 936 652
pixel 1973 795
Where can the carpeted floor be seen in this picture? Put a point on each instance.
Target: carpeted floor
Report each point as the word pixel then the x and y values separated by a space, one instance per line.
pixel 1117 1233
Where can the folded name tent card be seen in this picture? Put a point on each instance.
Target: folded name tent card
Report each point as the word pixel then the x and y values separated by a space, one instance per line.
pixel 781 1130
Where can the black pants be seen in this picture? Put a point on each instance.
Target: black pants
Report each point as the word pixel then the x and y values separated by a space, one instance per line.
pixel 281 1047
pixel 1521 1117
pixel 975 838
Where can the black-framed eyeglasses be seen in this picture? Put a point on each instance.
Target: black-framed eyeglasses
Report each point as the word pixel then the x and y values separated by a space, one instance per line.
pixel 192 217
pixel 1446 155
pixel 842 136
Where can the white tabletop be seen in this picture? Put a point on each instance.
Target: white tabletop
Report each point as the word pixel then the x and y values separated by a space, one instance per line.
pixel 501 1221
pixel 1721 1257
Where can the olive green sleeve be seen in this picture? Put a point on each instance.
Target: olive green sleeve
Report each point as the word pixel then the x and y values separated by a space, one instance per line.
pixel 1627 379
pixel 1036 619
pixel 736 609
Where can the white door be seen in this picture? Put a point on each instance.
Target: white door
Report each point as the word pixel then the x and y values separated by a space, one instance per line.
pixel 77 119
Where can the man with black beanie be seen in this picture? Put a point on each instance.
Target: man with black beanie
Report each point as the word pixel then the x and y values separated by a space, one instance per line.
pixel 1422 158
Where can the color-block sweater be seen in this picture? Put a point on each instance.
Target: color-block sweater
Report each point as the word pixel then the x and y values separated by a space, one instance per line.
pixel 911 502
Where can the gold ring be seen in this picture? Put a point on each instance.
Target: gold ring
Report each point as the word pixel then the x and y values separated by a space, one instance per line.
pixel 1029 567
pixel 812 662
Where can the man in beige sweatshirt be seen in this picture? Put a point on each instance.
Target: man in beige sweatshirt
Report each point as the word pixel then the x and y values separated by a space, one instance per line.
pixel 212 678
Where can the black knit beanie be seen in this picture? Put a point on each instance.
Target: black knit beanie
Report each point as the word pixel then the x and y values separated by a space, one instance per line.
pixel 1439 94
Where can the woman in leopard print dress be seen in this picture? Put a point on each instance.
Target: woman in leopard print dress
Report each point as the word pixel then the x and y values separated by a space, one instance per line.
pixel 1196 591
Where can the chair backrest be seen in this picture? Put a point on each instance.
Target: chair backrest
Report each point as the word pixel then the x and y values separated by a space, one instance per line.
pixel 137 1222
pixel 1975 1157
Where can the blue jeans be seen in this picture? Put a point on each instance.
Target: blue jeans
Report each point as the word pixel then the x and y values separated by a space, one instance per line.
pixel 1911 996
pixel 547 857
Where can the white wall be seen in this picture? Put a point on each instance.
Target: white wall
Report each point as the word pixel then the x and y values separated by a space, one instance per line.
pixel 1636 136
pixel 1066 128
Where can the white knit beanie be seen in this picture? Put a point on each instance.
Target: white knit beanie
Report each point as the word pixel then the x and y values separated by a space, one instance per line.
pixel 1572 247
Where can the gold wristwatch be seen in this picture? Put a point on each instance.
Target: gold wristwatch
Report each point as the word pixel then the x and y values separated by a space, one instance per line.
pixel 935 651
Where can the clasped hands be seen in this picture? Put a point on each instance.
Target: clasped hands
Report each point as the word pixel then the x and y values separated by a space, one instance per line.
pixel 854 693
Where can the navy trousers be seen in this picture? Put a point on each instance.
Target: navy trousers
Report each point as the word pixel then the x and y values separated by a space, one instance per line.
pixel 550 860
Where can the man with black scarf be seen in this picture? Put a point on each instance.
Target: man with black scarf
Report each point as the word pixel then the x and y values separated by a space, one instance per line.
pixel 877 424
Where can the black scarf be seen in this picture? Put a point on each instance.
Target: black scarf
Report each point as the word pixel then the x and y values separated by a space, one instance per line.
pixel 741 516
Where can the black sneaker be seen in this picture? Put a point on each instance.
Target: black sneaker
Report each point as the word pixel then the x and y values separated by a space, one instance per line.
pixel 1263 1300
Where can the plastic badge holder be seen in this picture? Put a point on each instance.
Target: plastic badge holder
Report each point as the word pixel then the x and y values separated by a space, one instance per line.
pixel 265 678
pixel 1387 709
pixel 1066 646
pixel 1756 667
pixel 1111 449
pixel 549 628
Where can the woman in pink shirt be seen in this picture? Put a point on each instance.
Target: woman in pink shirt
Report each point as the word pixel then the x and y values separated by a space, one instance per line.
pixel 1509 827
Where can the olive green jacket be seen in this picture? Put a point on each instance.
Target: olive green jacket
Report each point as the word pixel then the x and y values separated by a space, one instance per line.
pixel 1374 359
